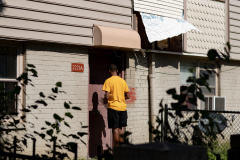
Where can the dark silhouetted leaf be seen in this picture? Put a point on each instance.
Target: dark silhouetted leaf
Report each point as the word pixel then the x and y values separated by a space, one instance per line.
pixel 76 108
pixel 41 102
pixel 67 124
pixel 24 141
pixel 42 135
pixel 34 106
pixel 171 91
pixel 48 123
pixel 25 110
pixel 212 54
pixel 48 145
pixel 53 139
pixel 51 97
pixel 56 116
pixel 74 136
pixel 34 72
pixel 55 90
pixel 31 65
pixel 81 134
pixel 59 84
pixel 65 135
pixel 42 95
pixel 23 117
pixel 200 96
pixel 229 46
pixel 68 114
pixel 49 132
pixel 66 105
pixel 183 88
pixel 196 116
pixel 17 90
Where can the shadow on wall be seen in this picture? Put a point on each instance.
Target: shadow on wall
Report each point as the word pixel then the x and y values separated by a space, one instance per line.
pixel 167 61
pixel 96 128
pixel 2 6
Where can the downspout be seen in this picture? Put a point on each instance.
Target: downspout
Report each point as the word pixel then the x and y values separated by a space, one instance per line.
pixel 152 93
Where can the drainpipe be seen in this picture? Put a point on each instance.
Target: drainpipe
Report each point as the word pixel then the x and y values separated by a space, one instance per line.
pixel 152 93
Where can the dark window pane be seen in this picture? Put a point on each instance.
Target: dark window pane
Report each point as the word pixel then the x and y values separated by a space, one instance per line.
pixel 8 62
pixel 8 104
pixel 206 92
pixel 211 80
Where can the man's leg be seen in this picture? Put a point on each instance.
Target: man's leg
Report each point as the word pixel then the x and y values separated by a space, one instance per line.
pixel 120 133
pixel 115 137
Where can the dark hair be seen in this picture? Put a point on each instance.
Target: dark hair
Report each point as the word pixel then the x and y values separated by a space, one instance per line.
pixel 112 67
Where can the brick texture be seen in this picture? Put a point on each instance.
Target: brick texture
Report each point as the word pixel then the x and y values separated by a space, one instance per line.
pixel 167 77
pixel 53 64
pixel 230 85
pixel 136 76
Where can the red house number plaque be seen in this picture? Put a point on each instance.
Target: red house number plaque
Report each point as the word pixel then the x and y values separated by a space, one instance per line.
pixel 77 67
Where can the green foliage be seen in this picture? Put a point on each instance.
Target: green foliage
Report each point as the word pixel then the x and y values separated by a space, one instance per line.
pixel 218 148
pixel 190 94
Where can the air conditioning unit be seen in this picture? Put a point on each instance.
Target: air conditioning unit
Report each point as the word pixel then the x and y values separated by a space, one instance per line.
pixel 214 103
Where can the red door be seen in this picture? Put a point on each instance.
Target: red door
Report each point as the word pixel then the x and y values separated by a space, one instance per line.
pixel 99 134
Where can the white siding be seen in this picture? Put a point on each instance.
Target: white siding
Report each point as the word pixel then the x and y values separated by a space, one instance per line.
pixel 209 17
pixel 234 25
pixel 165 8
pixel 60 21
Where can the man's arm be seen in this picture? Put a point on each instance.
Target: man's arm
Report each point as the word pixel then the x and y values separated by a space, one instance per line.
pixel 106 97
pixel 127 95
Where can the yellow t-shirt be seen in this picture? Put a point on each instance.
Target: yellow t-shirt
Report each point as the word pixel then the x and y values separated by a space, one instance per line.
pixel 116 87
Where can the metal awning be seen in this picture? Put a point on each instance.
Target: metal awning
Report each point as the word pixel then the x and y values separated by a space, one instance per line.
pixel 109 37
pixel 159 28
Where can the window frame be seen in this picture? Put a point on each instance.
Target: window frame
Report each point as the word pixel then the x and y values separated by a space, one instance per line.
pixel 198 62
pixel 19 71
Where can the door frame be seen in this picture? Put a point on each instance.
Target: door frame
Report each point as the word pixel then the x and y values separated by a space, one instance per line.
pixel 123 67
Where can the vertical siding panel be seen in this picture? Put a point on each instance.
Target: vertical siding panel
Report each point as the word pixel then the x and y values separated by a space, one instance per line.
pixel 63 22
pixel 209 17
pixel 234 25
pixel 165 8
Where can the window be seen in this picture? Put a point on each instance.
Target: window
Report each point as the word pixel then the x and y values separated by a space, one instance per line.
pixel 211 81
pixel 9 71
pixel 197 69
pixel 185 68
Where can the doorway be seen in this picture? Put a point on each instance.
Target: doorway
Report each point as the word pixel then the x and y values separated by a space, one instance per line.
pixel 99 134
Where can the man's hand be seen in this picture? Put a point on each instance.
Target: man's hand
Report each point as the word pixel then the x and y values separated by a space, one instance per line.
pixel 105 101
pixel 106 97
pixel 127 95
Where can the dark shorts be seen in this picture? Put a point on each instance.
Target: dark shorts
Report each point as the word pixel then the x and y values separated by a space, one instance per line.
pixel 117 119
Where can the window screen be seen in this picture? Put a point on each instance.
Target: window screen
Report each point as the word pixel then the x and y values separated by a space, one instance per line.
pixel 185 73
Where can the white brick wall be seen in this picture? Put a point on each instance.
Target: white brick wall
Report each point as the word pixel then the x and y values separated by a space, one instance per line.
pixel 167 77
pixel 230 85
pixel 136 76
pixel 53 64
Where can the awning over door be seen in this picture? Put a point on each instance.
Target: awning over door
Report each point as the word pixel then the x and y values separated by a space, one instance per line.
pixel 116 38
pixel 159 28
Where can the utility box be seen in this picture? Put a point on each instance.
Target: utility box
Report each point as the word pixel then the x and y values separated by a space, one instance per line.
pixel 233 152
pixel 163 151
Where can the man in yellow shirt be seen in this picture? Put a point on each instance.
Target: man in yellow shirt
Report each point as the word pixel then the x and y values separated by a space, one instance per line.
pixel 116 91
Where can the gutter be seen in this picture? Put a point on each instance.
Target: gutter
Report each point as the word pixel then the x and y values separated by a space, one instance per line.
pixel 152 93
